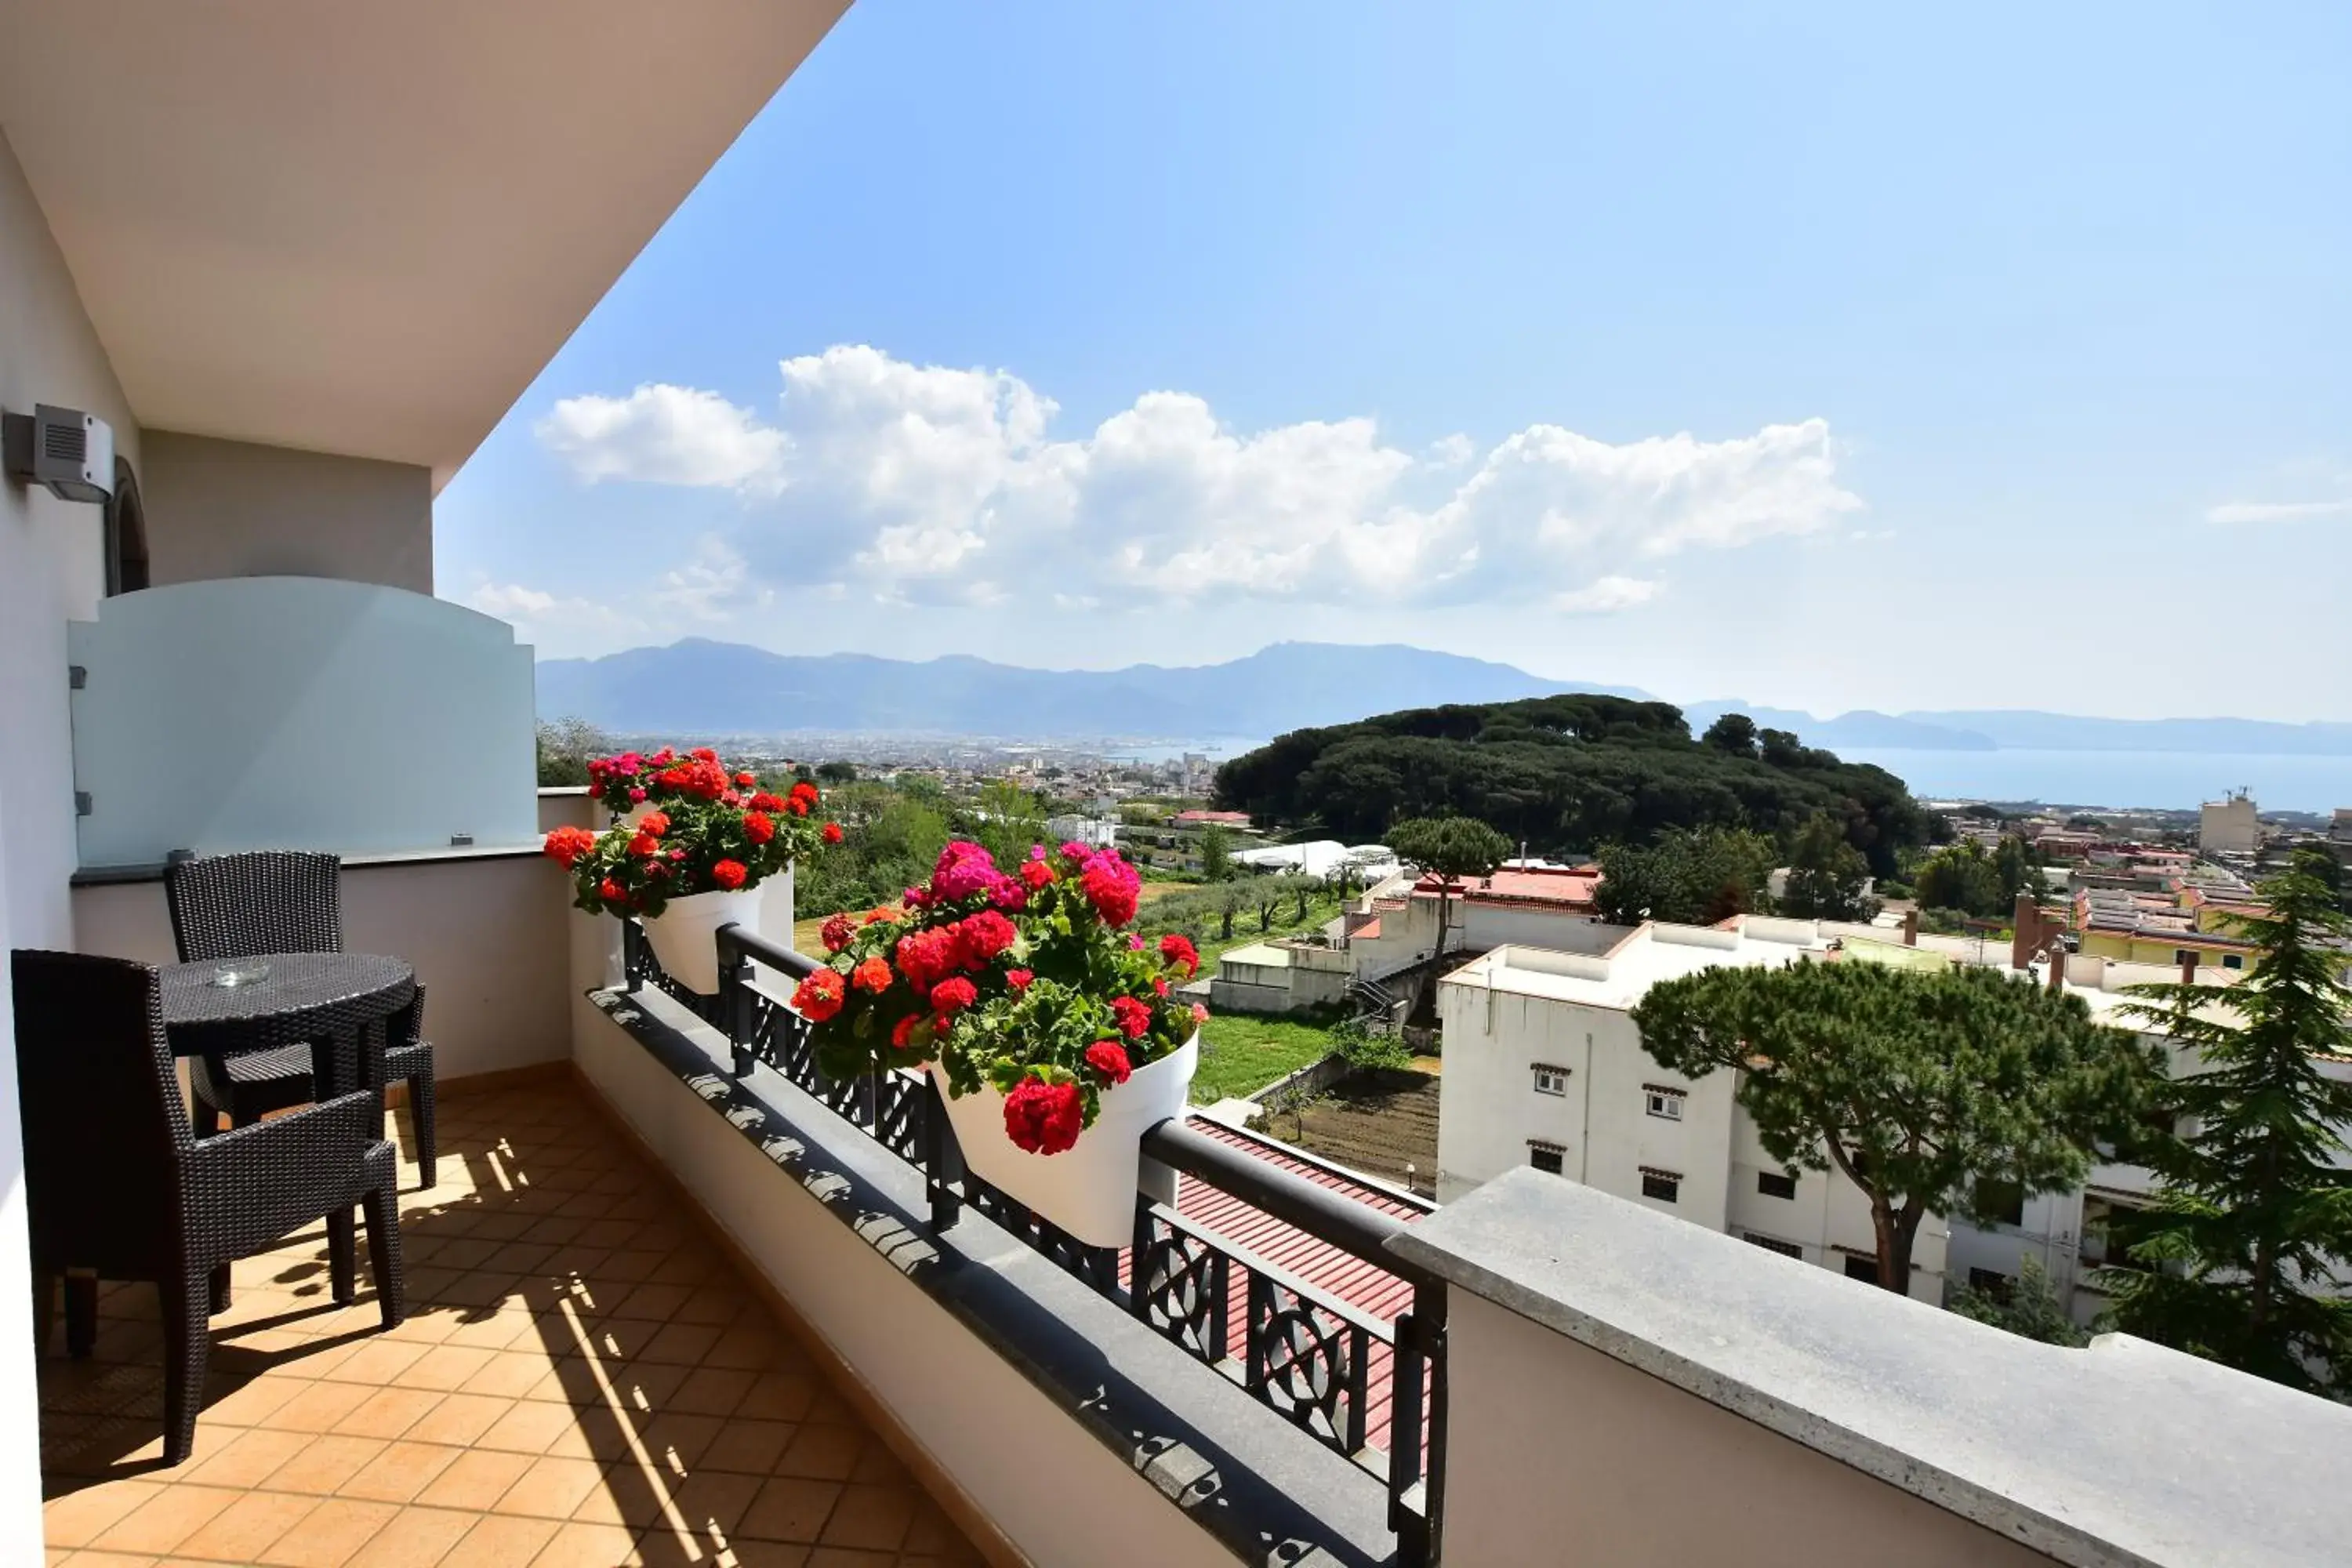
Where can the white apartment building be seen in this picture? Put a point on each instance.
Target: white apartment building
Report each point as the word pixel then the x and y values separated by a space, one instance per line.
pixel 1544 1068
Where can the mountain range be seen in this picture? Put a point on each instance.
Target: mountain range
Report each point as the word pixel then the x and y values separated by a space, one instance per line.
pixel 703 686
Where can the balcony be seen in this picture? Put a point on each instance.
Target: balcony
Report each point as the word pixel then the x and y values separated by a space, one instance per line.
pixel 585 1377
pixel 681 1299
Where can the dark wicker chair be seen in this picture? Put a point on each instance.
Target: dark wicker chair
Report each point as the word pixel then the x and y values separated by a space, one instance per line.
pixel 279 900
pixel 119 1189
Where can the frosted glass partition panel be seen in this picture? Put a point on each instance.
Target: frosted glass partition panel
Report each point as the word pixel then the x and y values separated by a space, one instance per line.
pixel 298 713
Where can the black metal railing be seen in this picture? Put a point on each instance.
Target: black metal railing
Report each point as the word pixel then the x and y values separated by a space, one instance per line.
pixel 1319 1361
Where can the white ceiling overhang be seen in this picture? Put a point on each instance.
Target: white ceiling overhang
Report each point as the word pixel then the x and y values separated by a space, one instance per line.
pixel 363 227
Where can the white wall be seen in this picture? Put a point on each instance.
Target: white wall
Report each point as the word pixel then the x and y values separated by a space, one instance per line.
pixel 233 509
pixel 52 567
pixel 491 939
pixel 1553 1443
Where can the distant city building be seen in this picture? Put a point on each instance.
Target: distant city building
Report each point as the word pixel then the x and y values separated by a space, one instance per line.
pixel 1200 818
pixel 2229 826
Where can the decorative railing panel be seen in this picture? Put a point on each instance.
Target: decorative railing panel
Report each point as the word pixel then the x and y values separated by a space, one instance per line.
pixel 1303 1353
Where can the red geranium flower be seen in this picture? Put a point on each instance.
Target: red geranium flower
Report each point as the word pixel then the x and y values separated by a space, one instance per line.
pixel 1160 985
pixel 1113 887
pixel 566 845
pixel 728 874
pixel 902 1037
pixel 763 800
pixel 1044 1118
pixel 1134 1016
pixel 820 995
pixel 984 935
pixel 802 798
pixel 1036 873
pixel 874 974
pixel 1019 979
pixel 1108 1058
pixel 747 780
pixel 952 995
pixel 1177 949
pixel 654 822
pixel 703 754
pixel 637 794
pixel 644 844
pixel 836 932
pixel 759 826
pixel 609 891
pixel 832 833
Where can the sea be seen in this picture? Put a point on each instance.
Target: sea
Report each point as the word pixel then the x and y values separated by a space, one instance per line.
pixel 2165 781
pixel 2161 781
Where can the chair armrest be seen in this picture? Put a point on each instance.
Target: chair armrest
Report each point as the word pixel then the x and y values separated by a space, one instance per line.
pixel 249 1187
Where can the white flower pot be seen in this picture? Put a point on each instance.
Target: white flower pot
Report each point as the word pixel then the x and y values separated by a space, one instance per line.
pixel 1088 1189
pixel 684 935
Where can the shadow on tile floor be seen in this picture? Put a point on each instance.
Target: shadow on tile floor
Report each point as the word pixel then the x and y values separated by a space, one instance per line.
pixel 583 1379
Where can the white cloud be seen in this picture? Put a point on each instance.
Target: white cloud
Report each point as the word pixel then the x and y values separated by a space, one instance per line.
pixel 511 601
pixel 667 435
pixel 554 622
pixel 712 585
pixel 926 484
pixel 1606 595
pixel 2277 512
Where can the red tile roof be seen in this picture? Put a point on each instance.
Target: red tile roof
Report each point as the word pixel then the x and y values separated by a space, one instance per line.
pixel 1571 887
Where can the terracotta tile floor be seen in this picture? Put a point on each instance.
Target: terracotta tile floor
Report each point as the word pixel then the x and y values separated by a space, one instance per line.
pixel 583 1379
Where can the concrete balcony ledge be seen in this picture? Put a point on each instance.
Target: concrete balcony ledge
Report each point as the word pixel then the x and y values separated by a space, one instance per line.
pixel 2126 1453
pixel 1072 1432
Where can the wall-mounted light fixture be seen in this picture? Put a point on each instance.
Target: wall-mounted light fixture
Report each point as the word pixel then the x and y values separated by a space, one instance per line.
pixel 70 452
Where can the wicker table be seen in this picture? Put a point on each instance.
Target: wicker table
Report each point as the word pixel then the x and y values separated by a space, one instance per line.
pixel 335 999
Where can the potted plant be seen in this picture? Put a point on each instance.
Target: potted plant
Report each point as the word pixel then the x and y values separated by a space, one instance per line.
pixel 688 850
pixel 1054 1031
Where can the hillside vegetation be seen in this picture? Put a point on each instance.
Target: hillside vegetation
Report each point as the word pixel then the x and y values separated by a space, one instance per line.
pixel 1566 775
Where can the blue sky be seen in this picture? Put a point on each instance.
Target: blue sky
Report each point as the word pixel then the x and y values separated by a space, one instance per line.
pixel 1846 357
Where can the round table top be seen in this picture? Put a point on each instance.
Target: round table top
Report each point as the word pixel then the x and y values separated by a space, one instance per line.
pixel 286 995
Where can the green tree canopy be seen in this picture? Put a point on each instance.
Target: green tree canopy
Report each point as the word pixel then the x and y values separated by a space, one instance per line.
pixel 1692 876
pixel 1734 732
pixel 2254 1214
pixel 1562 773
pixel 1962 876
pixel 2029 1306
pixel 1912 1083
pixel 1827 874
pixel 564 747
pixel 1451 849
pixel 1216 852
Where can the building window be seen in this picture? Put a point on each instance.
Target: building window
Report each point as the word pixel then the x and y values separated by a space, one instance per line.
pixel 126 535
pixel 2233 961
pixel 1863 1268
pixel 1546 1157
pixel 1662 1102
pixel 1990 1282
pixel 1773 1244
pixel 1776 1185
pixel 1664 1185
pixel 1999 1202
pixel 1550 1079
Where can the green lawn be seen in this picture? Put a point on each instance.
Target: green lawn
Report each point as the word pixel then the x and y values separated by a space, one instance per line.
pixel 1241 1054
pixel 1319 913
